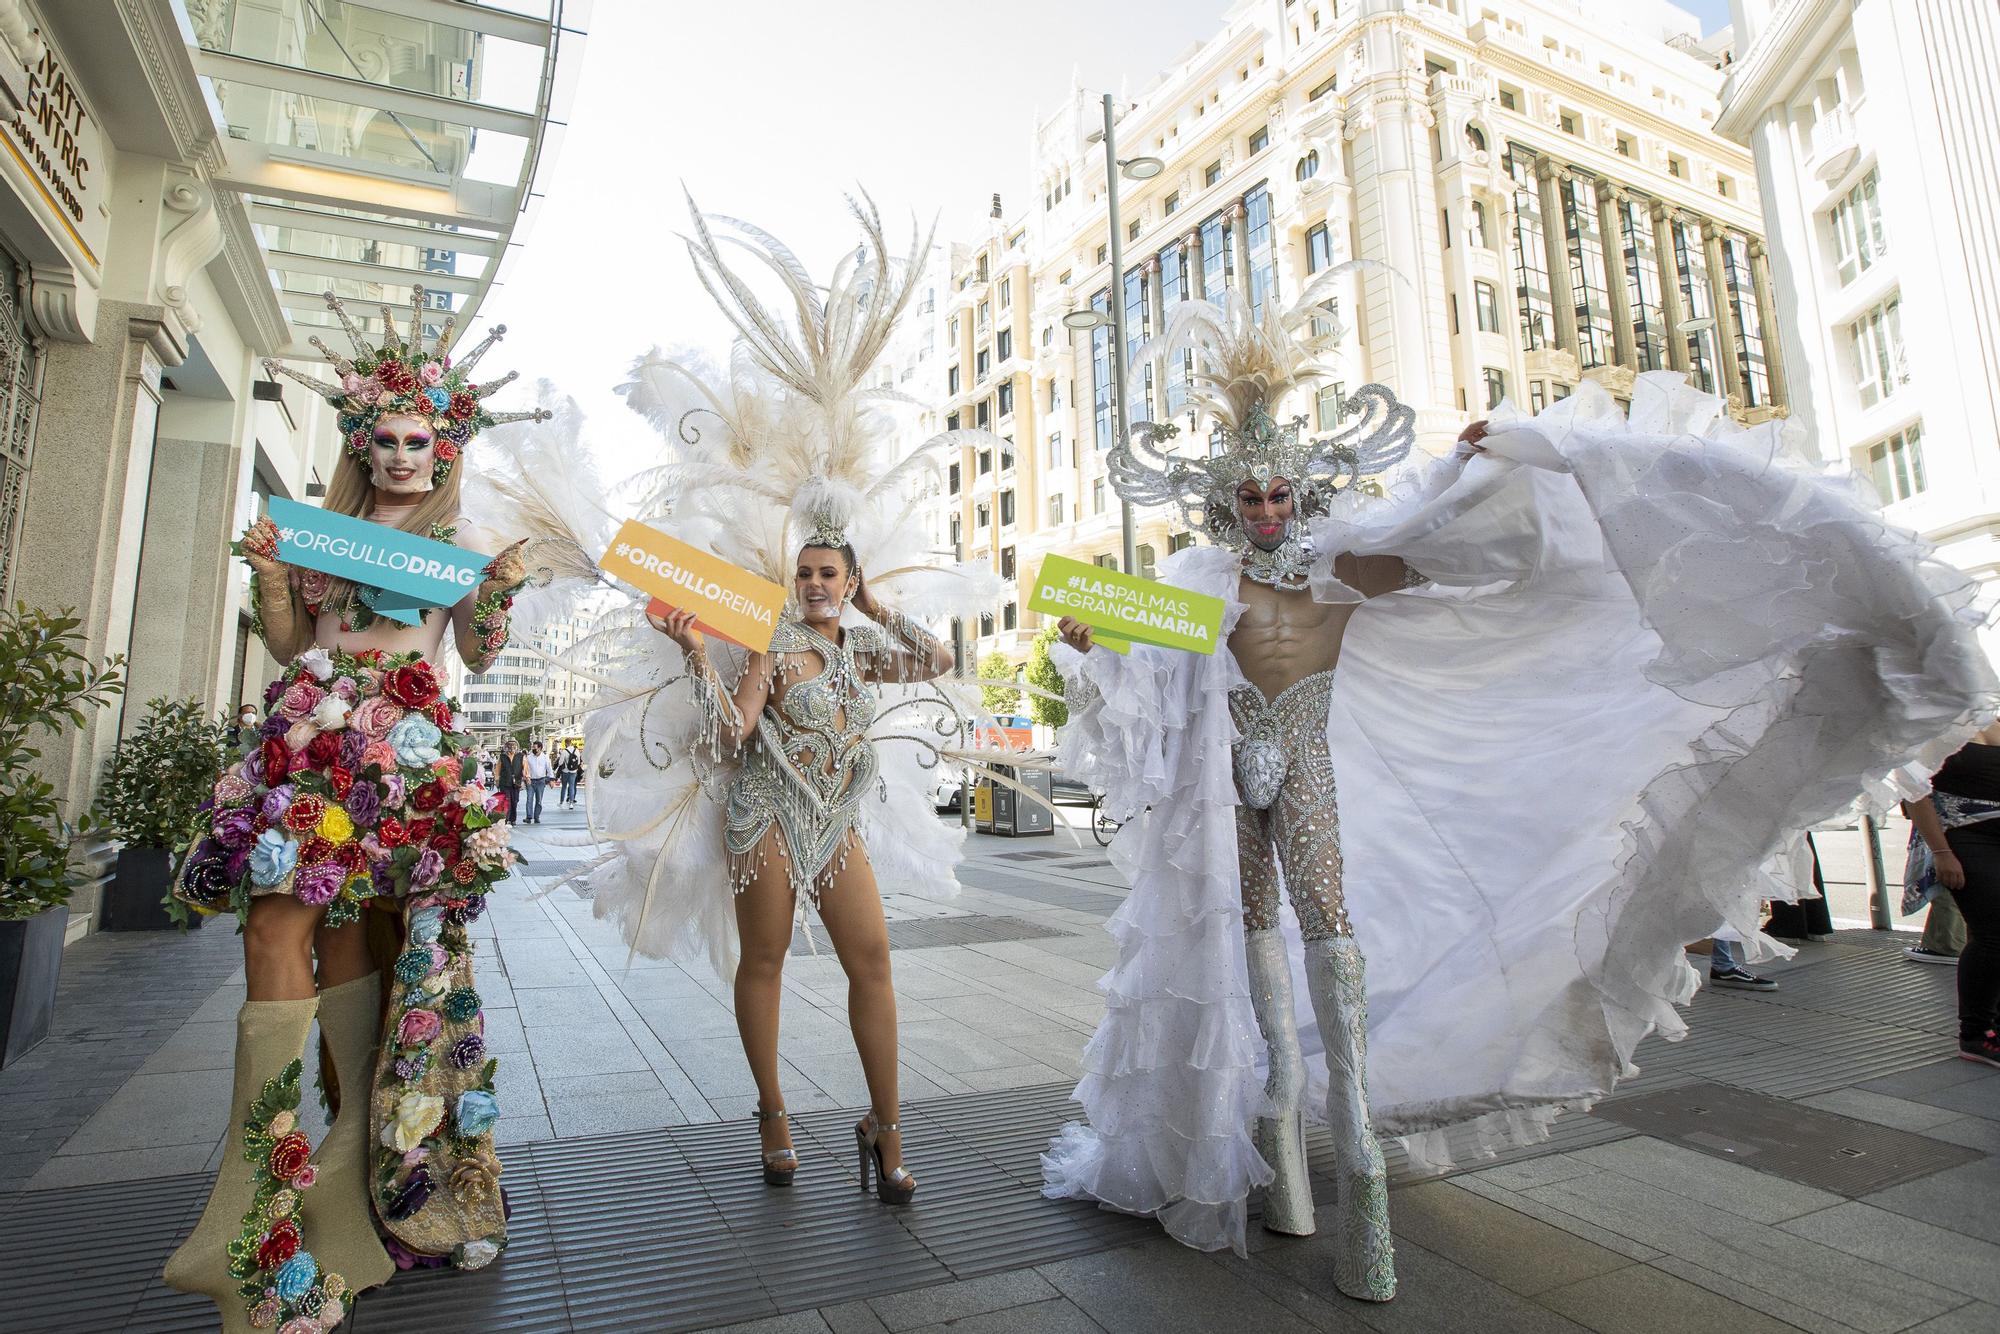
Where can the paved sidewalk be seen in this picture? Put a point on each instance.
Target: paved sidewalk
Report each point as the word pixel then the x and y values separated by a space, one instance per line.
pixel 631 1165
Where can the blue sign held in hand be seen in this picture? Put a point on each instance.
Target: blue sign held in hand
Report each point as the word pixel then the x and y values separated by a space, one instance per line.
pixel 415 572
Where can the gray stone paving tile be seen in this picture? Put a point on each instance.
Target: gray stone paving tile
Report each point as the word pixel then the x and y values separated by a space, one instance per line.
pixel 1153 1289
pixel 523 1129
pixel 797 1322
pixel 1881 1109
pixel 1972 1318
pixel 608 1104
pixel 1965 1199
pixel 956 1048
pixel 998 1018
pixel 1733 1187
pixel 1053 1317
pixel 208 1045
pixel 687 1015
pixel 1530 1172
pixel 1014 1077
pixel 1944 1257
pixel 222 1004
pixel 1745 1297
pixel 1978 1096
pixel 1974 1132
pixel 1432 1293
pixel 955 1301
pixel 1639 1299
pixel 90 1169
pixel 1521 1253
pixel 561 1007
pixel 592 1050
pixel 504 1032
pixel 852 1318
pixel 1788 1270
pixel 517 1085
pixel 924 982
pixel 1925 1079
pixel 157 1110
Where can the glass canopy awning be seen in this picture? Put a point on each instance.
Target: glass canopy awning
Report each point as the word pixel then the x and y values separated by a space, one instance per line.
pixel 384 145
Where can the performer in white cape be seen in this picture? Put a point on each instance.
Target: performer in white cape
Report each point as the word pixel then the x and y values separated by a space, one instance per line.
pixel 736 789
pixel 1588 684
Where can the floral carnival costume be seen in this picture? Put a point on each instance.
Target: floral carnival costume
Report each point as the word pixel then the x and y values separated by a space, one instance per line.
pixel 358 798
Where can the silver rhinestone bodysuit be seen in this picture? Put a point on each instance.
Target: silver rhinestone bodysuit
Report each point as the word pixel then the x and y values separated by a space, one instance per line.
pixel 1290 814
pixel 809 763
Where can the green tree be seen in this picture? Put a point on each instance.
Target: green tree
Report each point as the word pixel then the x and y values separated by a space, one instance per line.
pixel 1042 674
pixel 999 701
pixel 524 717
pixel 157 777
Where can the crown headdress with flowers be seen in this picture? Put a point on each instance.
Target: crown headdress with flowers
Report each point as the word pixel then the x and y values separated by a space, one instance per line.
pixel 401 377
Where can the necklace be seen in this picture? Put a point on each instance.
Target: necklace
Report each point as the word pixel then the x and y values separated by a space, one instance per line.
pixel 1284 566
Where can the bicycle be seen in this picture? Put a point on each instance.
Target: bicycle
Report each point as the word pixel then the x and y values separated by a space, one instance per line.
pixel 1102 826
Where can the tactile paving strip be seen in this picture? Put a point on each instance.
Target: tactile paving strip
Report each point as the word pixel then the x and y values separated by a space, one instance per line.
pixel 1814 1148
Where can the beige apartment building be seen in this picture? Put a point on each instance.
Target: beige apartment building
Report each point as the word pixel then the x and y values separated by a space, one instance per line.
pixel 1543 176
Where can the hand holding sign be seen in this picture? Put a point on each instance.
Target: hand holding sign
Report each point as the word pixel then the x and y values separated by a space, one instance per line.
pixel 726 601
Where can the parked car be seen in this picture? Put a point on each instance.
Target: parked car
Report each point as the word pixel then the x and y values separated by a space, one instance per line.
pixel 1063 788
pixel 944 793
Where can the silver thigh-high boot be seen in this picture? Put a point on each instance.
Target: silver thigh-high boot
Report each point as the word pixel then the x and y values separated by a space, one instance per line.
pixel 1288 1203
pixel 1365 1267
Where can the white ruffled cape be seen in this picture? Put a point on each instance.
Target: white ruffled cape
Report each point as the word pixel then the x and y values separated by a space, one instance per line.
pixel 1653 652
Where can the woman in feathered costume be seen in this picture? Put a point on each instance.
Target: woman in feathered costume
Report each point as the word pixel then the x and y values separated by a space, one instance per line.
pixel 739 788
pixel 357 800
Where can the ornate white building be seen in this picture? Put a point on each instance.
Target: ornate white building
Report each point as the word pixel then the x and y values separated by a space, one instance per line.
pixel 1873 124
pixel 1544 176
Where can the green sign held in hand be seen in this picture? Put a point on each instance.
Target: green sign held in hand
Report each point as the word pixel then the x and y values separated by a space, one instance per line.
pixel 1126 607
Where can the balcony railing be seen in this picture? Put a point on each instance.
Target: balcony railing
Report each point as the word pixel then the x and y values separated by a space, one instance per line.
pixel 1834 145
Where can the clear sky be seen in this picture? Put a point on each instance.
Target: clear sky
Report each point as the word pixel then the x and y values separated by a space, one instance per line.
pixel 770 110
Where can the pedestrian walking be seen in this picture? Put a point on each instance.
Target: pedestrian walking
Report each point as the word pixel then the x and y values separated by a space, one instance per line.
pixel 513 774
pixel 1958 826
pixel 572 771
pixel 538 771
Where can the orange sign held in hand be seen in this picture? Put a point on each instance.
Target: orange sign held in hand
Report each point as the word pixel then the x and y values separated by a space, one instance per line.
pixel 727 600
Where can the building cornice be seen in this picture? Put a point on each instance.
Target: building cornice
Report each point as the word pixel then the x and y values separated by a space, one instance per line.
pixel 1775 61
pixel 243 281
pixel 156 35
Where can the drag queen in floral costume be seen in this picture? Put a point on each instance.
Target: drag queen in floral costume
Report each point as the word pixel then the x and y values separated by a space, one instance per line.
pixel 353 832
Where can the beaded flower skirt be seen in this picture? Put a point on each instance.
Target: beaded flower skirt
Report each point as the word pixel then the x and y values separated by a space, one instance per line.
pixel 357 787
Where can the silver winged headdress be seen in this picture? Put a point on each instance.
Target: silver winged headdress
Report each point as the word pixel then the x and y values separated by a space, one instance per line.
pixel 1243 368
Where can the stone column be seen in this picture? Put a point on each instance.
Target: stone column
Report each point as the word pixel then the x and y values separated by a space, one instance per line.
pixel 1235 221
pixel 1191 247
pixel 1611 229
pixel 1671 313
pixel 1767 316
pixel 1556 236
pixel 1725 314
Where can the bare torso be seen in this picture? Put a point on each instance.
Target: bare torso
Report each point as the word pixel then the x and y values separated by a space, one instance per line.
pixel 1284 636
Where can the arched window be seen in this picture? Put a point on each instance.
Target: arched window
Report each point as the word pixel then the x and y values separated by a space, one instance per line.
pixel 1308 166
pixel 1476 137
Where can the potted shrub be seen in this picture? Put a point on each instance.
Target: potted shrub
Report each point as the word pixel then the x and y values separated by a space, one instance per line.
pixel 150 801
pixel 46 683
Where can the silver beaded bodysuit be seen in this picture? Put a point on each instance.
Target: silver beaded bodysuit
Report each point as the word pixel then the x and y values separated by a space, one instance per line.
pixel 810 761
pixel 1290 814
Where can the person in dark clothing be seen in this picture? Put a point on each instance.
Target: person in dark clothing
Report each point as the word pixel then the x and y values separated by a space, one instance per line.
pixel 1960 823
pixel 1808 919
pixel 513 776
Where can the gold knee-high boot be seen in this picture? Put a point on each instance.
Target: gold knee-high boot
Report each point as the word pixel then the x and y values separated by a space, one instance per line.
pixel 1288 1200
pixel 250 1253
pixel 1365 1263
pixel 338 1216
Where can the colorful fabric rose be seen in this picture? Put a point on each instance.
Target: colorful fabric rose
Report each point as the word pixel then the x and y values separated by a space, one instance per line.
pixel 364 804
pixel 322 750
pixel 396 377
pixel 418 1026
pixel 373 717
pixel 239 866
pixel 232 790
pixel 488 846
pixel 414 685
pixel 276 802
pixel 477 1111
pixel 421 830
pixel 301 697
pixel 394 790
pixel 431 372
pixel 303 1325
pixel 207 875
pixel 465 872
pixel 303 815
pixel 353 745
pixel 428 797
pixel 390 832
pixel 335 826
pixel 264 1315
pixel 340 781
pixel 465 1052
pixel 416 1115
pixel 305 1177
pixel 415 740
pixel 347 688
pixel 280 1244
pixel 277 761
pixel 380 755
pixel 295 1277
pixel 319 884
pixel 425 924
pixel 318 661
pixel 273 858
pixel 412 1195
pixel 289 1154
pixel 234 828
pixel 313 849
pixel 428 868
pixel 273 727
pixel 330 715
pixel 297 737
pixel 462 1005
pixel 437 396
pixel 414 965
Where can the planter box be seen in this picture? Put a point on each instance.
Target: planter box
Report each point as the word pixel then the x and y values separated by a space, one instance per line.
pixel 30 962
pixel 132 897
